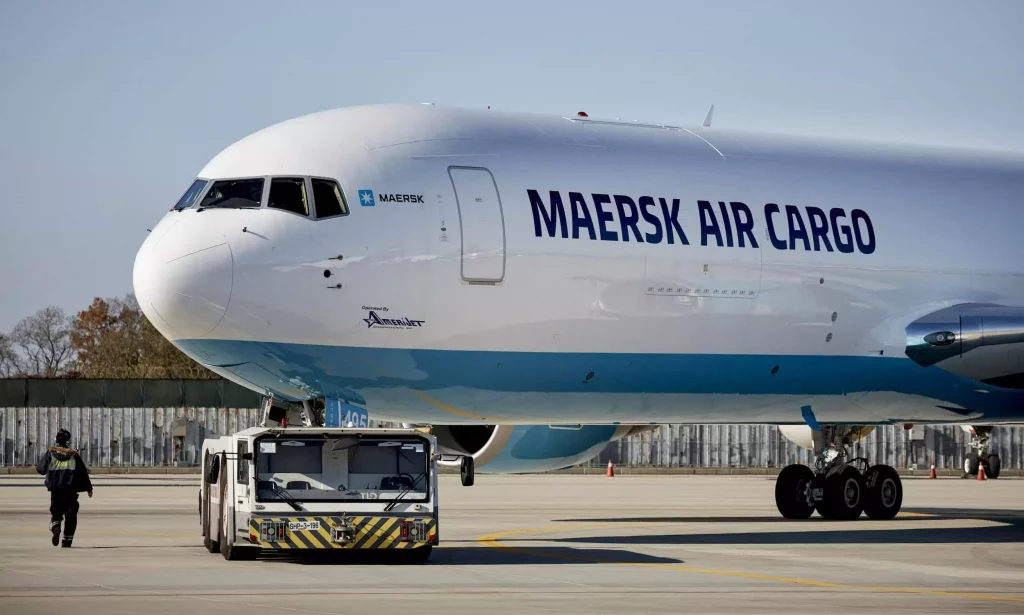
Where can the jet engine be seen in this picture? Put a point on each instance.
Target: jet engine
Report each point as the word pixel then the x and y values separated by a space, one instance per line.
pixel 514 449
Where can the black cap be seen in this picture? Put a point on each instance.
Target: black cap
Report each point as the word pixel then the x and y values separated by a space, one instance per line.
pixel 63 437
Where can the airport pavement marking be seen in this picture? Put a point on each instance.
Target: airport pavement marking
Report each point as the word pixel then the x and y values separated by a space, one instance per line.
pixel 493 540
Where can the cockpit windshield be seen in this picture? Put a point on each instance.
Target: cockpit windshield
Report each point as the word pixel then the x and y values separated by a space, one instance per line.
pixel 234 194
pixel 309 469
pixel 189 198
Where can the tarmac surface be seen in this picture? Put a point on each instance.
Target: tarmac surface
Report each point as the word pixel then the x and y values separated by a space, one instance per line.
pixel 529 544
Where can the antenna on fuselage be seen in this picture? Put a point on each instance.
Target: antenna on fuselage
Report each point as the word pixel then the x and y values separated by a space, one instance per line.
pixel 707 118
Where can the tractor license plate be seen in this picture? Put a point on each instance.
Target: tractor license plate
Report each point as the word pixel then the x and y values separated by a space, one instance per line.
pixel 301 526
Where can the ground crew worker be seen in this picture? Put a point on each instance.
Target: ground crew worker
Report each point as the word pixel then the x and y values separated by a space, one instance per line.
pixel 66 477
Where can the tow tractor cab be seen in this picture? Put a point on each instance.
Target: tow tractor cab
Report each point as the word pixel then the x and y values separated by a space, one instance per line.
pixel 319 488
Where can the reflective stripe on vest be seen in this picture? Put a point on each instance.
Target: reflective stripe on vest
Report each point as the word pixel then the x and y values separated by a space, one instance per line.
pixel 58 464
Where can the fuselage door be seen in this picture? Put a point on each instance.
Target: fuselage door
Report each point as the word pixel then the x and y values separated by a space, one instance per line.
pixel 482 224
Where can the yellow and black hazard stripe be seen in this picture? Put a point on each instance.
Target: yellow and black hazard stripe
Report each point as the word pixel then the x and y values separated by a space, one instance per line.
pixel 369 533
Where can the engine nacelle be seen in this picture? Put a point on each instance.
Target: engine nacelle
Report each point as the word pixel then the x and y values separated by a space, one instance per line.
pixel 513 449
pixel 983 342
pixel 798 434
pixel 801 435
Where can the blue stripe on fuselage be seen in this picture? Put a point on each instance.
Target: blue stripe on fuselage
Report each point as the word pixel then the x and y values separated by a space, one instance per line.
pixel 348 372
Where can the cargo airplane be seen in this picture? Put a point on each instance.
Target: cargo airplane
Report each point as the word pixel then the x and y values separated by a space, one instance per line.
pixel 533 287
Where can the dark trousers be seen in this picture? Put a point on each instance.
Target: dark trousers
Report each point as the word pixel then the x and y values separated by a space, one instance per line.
pixel 64 507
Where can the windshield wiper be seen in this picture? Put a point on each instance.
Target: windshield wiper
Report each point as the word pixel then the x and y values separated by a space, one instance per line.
pixel 284 496
pixel 401 494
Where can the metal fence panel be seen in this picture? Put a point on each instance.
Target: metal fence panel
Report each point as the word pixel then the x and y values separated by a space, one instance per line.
pixel 133 437
pixel 173 436
pixel 745 446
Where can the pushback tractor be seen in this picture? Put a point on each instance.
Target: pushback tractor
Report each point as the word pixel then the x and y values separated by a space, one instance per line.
pixel 316 488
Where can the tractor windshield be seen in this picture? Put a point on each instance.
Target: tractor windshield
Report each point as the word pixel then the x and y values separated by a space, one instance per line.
pixel 317 469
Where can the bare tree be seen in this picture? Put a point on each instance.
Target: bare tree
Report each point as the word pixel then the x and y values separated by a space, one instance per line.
pixel 45 342
pixel 9 360
pixel 112 338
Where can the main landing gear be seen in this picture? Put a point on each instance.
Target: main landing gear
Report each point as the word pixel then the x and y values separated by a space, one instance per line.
pixel 979 455
pixel 838 488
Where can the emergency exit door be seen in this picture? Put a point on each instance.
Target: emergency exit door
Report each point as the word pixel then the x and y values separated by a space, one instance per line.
pixel 482 224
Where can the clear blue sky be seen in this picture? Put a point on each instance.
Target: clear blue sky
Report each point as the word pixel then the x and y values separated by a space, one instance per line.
pixel 108 109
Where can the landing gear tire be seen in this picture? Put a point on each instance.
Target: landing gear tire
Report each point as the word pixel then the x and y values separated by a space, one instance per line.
pixel 846 488
pixel 971 462
pixel 823 506
pixel 791 492
pixel 992 466
pixel 844 494
pixel 883 492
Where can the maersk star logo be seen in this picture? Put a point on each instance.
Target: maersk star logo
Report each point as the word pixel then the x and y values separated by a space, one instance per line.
pixel 366 198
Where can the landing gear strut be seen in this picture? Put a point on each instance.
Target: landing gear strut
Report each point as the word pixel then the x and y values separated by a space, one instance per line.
pixel 309 413
pixel 980 455
pixel 838 488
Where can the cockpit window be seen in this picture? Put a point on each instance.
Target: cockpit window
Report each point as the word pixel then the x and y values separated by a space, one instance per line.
pixel 234 194
pixel 327 198
pixel 289 194
pixel 189 198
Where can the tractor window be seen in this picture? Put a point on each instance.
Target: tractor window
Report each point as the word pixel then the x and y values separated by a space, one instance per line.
pixel 344 468
pixel 213 474
pixel 243 464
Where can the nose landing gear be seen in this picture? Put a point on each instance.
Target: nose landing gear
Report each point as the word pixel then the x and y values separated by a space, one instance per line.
pixel 981 437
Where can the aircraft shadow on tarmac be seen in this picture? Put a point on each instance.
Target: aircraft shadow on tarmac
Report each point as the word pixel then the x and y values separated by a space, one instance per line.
pixel 452 555
pixel 862 531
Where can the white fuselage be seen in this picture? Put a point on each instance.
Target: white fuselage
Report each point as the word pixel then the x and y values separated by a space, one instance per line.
pixel 493 302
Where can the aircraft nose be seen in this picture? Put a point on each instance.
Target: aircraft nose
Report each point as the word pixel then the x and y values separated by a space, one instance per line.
pixel 183 278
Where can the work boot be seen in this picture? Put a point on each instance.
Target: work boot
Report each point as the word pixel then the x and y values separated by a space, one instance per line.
pixel 66 543
pixel 55 530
